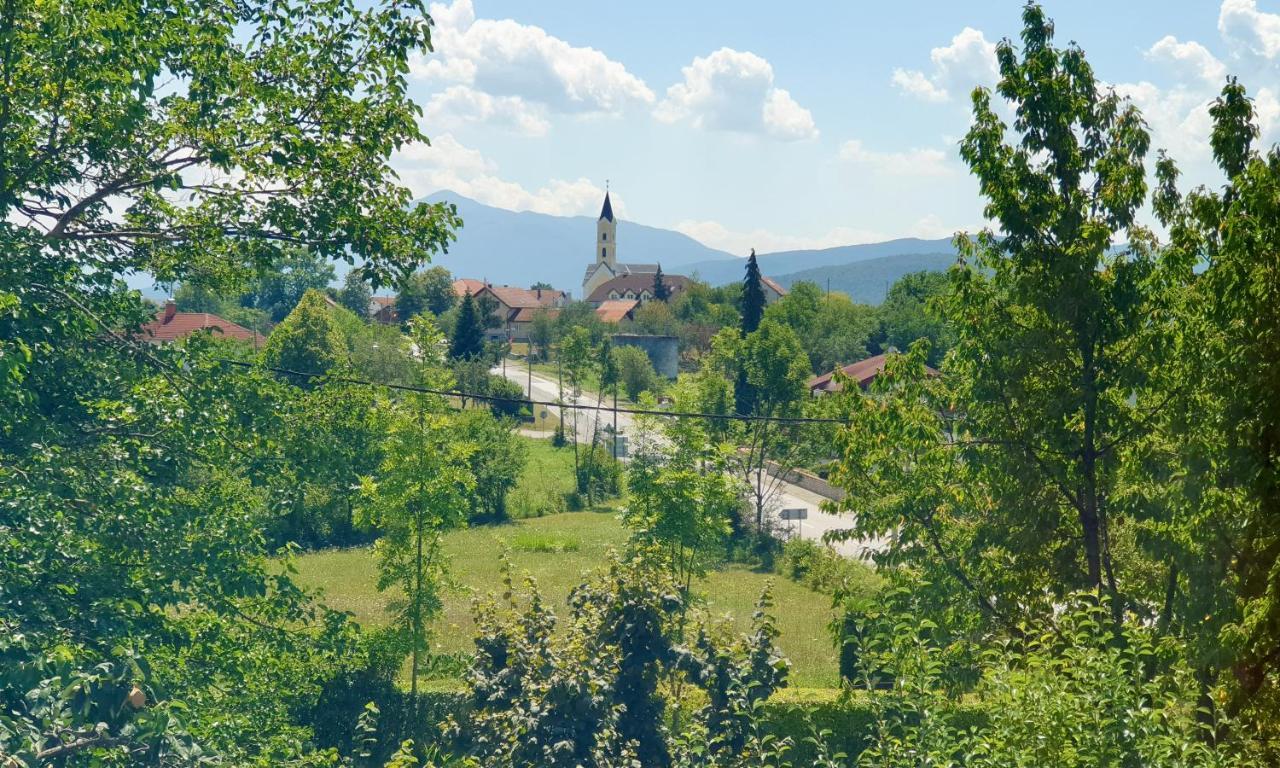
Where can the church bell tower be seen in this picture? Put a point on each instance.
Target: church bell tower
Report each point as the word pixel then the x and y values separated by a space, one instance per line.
pixel 607 235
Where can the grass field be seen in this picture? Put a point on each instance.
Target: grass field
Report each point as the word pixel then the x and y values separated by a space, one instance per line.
pixel 559 551
pixel 547 478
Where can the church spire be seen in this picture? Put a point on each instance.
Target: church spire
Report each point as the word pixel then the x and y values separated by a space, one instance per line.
pixel 606 213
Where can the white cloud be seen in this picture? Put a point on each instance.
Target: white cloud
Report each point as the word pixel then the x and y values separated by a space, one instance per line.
pixel 915 83
pixel 462 104
pixel 1240 22
pixel 447 164
pixel 732 90
pixel 1190 59
pixel 913 162
pixel 505 58
pixel 968 62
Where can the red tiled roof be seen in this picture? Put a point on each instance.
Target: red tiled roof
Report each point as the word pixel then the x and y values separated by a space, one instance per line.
pixel 383 301
pixel 615 310
pixel 171 326
pixel 636 284
pixel 777 288
pixel 520 298
pixel 863 372
pixel 464 284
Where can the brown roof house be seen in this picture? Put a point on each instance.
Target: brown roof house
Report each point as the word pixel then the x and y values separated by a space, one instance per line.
pixel 515 307
pixel 617 310
pixel 171 325
pixel 773 290
pixel 863 372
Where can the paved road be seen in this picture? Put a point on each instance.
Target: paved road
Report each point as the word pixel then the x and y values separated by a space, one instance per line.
pixel 783 495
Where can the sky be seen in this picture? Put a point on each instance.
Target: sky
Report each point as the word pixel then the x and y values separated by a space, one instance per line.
pixel 778 126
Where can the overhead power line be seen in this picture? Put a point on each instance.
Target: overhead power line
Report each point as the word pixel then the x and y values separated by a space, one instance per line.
pixel 523 400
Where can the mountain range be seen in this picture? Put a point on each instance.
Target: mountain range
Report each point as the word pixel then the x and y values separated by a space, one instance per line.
pixel 521 248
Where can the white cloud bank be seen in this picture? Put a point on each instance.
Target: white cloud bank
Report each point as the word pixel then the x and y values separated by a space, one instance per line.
pixel 734 91
pixel 912 162
pixel 969 61
pixel 447 164
pixel 503 58
pixel 1242 24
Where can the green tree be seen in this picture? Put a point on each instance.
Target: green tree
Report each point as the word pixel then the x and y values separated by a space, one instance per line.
pixel 1052 323
pixel 1222 424
pixel 752 300
pixel 576 353
pixel 468 332
pixel 752 303
pixel 196 145
pixel 906 315
pixel 660 290
pixel 278 287
pixel 496 460
pixel 542 333
pixel 428 290
pixel 635 371
pixel 307 342
pixel 355 294
pixel 420 491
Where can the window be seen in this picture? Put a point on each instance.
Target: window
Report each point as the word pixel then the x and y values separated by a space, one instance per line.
pixel 604 236
pixel 604 253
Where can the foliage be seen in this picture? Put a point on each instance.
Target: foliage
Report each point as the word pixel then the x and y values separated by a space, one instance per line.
pixel 835 330
pixel 429 290
pixel 599 474
pixel 467 341
pixel 822 569
pixel 589 693
pixel 420 491
pixel 355 295
pixel 496 459
pixel 277 288
pixel 661 292
pixel 907 315
pixel 1222 423
pixel 635 371
pixel 543 333
pixel 308 342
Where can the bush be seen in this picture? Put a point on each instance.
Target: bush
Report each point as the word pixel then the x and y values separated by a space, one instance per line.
pixel 824 570
pixel 635 371
pixel 514 404
pixel 599 474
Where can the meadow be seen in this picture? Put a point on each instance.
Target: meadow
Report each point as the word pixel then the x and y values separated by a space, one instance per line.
pixel 558 551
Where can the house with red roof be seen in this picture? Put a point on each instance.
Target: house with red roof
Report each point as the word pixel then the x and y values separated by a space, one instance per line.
pixel 862 372
pixel 617 310
pixel 171 325
pixel 515 308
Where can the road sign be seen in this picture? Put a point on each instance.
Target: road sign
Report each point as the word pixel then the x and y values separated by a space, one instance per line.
pixel 795 514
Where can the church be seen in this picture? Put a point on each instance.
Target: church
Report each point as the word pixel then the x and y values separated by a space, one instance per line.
pixel 611 280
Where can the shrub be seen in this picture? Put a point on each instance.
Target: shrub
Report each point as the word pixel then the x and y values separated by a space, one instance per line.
pixel 824 570
pixel 635 371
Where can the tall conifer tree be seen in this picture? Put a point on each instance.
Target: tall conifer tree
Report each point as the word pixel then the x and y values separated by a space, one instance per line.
pixel 468 334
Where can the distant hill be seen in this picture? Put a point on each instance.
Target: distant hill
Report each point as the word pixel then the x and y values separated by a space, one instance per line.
pixel 521 248
pixel 868 281
pixel 721 271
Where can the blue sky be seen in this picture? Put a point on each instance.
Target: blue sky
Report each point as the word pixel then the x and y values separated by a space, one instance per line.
pixel 776 126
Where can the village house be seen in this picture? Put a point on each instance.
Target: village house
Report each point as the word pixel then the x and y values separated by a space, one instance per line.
pixel 617 310
pixel 171 325
pixel 514 308
pixel 863 372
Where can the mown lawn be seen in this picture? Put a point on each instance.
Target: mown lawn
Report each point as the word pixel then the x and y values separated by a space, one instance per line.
pixel 559 551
